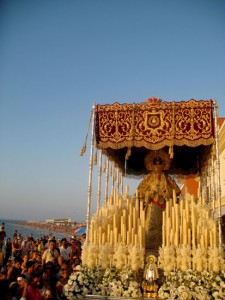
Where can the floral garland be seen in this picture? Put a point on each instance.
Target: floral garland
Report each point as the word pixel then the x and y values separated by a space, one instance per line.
pixel 183 258
pixel 108 282
pixel 191 285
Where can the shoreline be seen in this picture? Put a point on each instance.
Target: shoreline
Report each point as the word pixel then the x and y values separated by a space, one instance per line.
pixel 68 229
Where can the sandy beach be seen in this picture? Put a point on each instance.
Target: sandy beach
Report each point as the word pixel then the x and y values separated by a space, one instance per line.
pixel 68 229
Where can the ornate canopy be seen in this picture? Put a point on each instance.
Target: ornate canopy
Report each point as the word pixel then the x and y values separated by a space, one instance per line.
pixel 127 132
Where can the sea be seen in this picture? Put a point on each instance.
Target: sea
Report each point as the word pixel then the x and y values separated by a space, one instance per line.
pixel 12 225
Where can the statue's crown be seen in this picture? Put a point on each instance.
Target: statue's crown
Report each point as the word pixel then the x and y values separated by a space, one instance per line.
pixel 153 101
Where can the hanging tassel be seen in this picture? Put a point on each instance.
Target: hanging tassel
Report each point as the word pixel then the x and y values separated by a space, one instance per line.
pixel 104 168
pixel 83 150
pixel 128 154
pixel 171 152
pixel 95 159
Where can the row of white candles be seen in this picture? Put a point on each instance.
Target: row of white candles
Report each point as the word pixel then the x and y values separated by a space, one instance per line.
pixel 187 223
pixel 120 220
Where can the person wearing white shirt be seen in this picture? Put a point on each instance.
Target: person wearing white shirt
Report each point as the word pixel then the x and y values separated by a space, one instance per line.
pixel 65 250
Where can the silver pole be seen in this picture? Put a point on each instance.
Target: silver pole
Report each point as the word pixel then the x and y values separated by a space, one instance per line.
pixel 118 179
pixel 106 179
pixel 99 180
pixel 90 173
pixel 218 170
pixel 213 186
pixel 112 178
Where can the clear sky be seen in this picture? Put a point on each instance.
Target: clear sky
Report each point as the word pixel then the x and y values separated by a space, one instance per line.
pixel 58 58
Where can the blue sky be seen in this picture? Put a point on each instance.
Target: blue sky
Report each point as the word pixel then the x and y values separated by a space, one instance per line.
pixel 58 58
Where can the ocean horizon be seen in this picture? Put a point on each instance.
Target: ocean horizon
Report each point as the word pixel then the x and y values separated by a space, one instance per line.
pixel 11 225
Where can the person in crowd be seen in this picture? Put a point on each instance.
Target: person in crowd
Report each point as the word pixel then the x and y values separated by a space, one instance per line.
pixel 9 264
pixel 15 234
pixel 31 237
pixel 25 245
pixel 16 248
pixel 64 276
pixel 83 239
pixel 15 270
pixel 33 246
pixel 44 238
pixel 50 238
pixel 50 254
pixel 33 290
pixel 8 249
pixel 75 248
pixel 60 260
pixel 47 295
pixel 2 236
pixel 57 245
pixel 20 239
pixel 41 246
pixel 4 285
pixel 46 279
pixel 29 270
pixel 13 291
pixel 3 225
pixel 34 255
pixel 65 250
pixel 22 287
pixel 1 258
pixel 25 259
pixel 76 261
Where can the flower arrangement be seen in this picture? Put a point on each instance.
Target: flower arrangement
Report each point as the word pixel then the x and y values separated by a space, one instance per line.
pixel 121 283
pixel 191 285
pixel 78 284
pixel 109 282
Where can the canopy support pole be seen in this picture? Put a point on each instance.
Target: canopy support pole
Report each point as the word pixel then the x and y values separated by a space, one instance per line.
pixel 99 180
pixel 90 173
pixel 218 171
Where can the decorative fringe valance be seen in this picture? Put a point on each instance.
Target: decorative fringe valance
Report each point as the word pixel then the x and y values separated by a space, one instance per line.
pixel 155 124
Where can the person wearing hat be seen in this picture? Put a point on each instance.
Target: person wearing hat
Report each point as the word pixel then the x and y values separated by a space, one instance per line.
pixel 22 290
pixel 13 290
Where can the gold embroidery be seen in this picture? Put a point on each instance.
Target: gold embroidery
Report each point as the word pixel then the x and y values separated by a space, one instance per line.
pixel 154 124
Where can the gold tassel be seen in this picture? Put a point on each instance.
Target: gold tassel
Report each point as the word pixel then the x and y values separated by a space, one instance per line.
pixel 104 168
pixel 128 154
pixel 83 150
pixel 171 152
pixel 95 160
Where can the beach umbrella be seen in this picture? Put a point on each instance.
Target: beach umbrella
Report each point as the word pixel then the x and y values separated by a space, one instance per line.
pixel 81 230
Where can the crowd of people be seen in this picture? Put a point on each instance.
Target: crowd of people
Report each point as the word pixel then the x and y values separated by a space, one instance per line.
pixel 37 269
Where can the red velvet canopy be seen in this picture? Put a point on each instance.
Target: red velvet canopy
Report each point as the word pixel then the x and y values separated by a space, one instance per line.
pixel 186 127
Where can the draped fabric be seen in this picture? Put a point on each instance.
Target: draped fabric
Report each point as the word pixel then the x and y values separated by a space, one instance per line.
pixel 155 124
pixel 127 132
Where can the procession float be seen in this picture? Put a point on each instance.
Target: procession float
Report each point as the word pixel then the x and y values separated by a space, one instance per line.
pixel 156 242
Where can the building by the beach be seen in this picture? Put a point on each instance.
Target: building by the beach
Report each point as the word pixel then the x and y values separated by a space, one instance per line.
pixel 59 221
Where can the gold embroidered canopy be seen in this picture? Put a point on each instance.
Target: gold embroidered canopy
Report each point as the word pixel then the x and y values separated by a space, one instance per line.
pixel 127 132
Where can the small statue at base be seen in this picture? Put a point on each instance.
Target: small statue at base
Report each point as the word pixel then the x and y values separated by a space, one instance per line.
pixel 150 288
pixel 151 271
